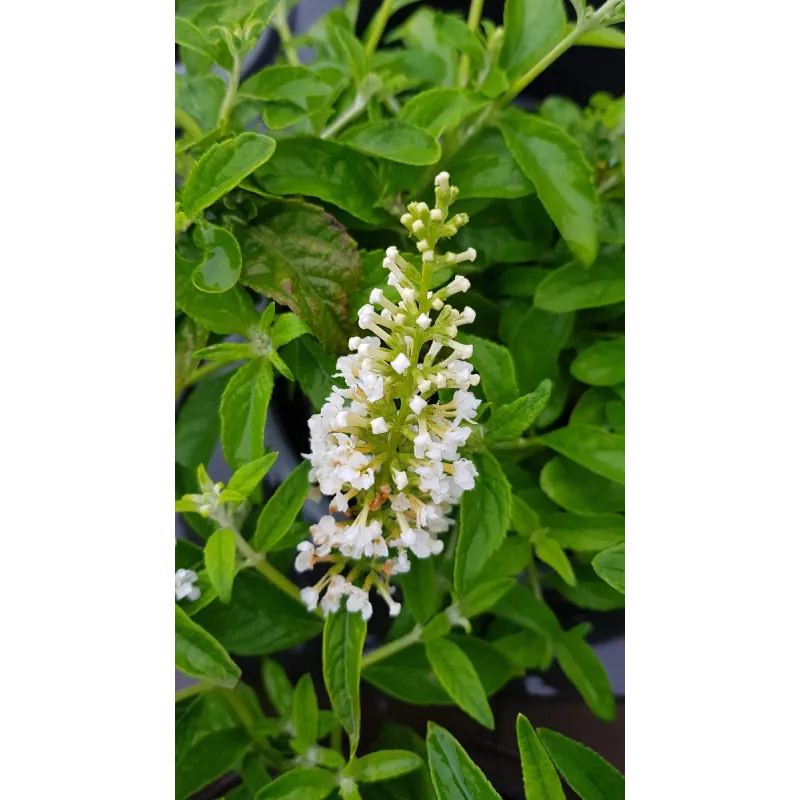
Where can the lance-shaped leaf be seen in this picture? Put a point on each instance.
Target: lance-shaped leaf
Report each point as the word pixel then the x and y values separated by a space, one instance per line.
pixel 584 669
pixel 248 477
pixel 573 286
pixel 589 775
pixel 199 655
pixel 460 680
pixel 220 558
pixel 243 412
pixel 538 773
pixel 485 516
pixel 282 509
pixel 512 420
pixel 455 775
pixel 591 447
pixel 342 647
pixel 308 783
pixel 557 167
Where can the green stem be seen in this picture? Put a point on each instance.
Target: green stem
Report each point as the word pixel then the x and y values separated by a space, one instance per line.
pixel 281 24
pixel 596 20
pixel 519 446
pixel 381 18
pixel 533 579
pixel 233 86
pixel 473 20
pixel 195 688
pixel 190 128
pixel 390 649
pixel 207 369
pixel 349 114
pixel 273 575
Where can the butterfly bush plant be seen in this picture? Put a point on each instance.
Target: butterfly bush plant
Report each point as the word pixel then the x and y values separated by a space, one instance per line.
pixel 382 254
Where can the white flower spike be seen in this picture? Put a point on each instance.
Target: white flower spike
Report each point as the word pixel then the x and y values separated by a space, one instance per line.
pixel 386 447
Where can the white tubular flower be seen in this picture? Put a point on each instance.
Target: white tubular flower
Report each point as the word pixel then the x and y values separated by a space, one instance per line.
pixel 310 598
pixel 395 492
pixel 400 364
pixel 184 585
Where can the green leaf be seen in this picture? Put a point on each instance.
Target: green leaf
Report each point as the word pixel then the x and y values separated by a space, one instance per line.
pixel 460 680
pixel 591 447
pixel 229 312
pixel 512 420
pixel 197 425
pixel 454 30
pixel 455 775
pixel 223 167
pixel 247 478
pixel 494 364
pixel 407 675
pixel 254 773
pixel 522 607
pixel 525 650
pixel 223 259
pixel 578 490
pixel 610 566
pixel 305 712
pixel 199 655
pixel 498 239
pixel 312 367
pixel 301 257
pixel 538 773
pixel 612 222
pixel 590 592
pixel 277 686
pixel 209 758
pixel 309 783
pixel 485 516
pixel 484 167
pixel 189 35
pixel 532 29
pixel 188 336
pixel 524 519
pixel 342 646
pixel 557 167
pixel 551 332
pixel 282 509
pixel 328 170
pixel 287 328
pixel 550 552
pixel 484 596
pixel 201 98
pixel 584 669
pixel 601 364
pixel 508 560
pixel 260 619
pixel 285 83
pixel 383 766
pixel 573 287
pixel 436 110
pixel 220 558
pixel 395 141
pixel 419 589
pixel 356 55
pixel 591 407
pixel 243 412
pixel 590 533
pixel 225 352
pixel 589 775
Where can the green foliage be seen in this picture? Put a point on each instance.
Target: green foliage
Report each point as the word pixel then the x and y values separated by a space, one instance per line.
pixel 290 186
pixel 342 645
